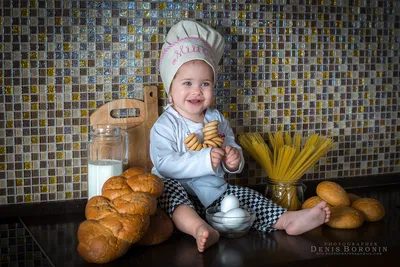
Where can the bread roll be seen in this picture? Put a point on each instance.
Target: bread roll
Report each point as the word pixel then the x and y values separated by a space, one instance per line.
pixel 122 216
pixel 371 208
pixel 311 202
pixel 160 229
pixel 352 197
pixel 343 217
pixel 333 193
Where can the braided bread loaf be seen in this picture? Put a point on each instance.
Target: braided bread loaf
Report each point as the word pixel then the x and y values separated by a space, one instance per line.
pixel 211 138
pixel 122 217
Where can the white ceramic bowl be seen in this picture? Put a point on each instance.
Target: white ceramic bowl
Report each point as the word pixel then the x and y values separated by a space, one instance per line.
pixel 232 226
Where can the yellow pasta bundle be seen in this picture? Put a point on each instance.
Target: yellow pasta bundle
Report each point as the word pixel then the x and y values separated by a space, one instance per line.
pixel 285 160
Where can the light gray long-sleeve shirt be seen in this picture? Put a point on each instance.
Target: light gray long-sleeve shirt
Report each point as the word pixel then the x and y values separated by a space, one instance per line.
pixel 193 169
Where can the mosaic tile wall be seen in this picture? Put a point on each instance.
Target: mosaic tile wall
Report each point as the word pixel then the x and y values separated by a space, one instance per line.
pixel 308 66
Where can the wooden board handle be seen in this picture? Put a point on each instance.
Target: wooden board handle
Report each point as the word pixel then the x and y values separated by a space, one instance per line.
pixel 103 114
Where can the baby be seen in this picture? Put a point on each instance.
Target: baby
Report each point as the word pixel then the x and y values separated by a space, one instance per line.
pixel 194 180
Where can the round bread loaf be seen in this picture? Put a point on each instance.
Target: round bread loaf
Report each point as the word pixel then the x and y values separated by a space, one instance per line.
pixel 311 202
pixel 333 193
pixel 343 217
pixel 352 197
pixel 371 208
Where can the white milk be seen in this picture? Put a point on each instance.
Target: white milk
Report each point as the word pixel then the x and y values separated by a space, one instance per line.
pixel 98 172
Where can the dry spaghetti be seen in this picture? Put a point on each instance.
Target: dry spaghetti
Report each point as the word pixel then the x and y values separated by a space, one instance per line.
pixel 285 160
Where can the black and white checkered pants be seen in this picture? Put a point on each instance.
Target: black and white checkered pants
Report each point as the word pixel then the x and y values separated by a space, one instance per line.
pixel 267 212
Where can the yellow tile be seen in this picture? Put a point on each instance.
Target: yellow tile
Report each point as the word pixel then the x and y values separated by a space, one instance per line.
pixel 50 72
pixel 27 198
pixel 44 189
pixel 275 61
pixel 281 90
pixel 34 106
pixel 52 180
pixel 226 115
pixel 266 121
pixel 42 38
pixel 246 114
pixel 59 138
pixel 267 91
pixel 50 97
pixel 9 124
pixel 19 182
pixel 34 89
pixel 34 55
pixel 58 22
pixel 8 90
pixel 2 150
pixel 299 112
pixel 34 140
pixel 67 46
pixel 76 96
pixel 232 107
pixel 16 29
pixel 68 195
pixel 60 155
pixel 77 178
pixel 92 104
pixel 43 122
pixel 293 82
pixel 67 80
pixel 280 127
pixel 286 112
pixel 275 76
pixel 25 64
pixel 84 129
pixel 76 146
pixel 2 166
pixel 27 165
pixel 84 113
pixel 162 6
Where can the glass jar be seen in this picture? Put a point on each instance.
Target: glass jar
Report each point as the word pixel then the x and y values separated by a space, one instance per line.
pixel 108 153
pixel 287 195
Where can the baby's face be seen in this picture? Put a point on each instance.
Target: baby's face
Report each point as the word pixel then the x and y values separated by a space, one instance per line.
pixel 192 89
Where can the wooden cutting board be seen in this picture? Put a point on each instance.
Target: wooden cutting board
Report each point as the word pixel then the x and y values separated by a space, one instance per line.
pixel 138 127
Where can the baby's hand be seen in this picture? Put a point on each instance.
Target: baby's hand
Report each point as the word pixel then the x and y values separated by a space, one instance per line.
pixel 232 158
pixel 216 156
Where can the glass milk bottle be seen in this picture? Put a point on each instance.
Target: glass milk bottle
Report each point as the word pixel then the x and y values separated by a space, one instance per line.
pixel 107 155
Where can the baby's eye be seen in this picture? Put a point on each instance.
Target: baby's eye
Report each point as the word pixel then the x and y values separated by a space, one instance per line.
pixel 187 83
pixel 206 84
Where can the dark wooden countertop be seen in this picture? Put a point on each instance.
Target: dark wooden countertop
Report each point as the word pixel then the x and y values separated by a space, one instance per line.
pixel 371 244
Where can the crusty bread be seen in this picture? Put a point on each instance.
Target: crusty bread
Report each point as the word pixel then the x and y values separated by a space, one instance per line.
pixel 352 197
pixel 159 230
pixel 343 217
pixel 311 202
pixel 333 193
pixel 371 208
pixel 122 216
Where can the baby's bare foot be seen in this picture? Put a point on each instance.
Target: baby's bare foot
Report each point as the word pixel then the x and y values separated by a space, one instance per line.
pixel 205 237
pixel 302 221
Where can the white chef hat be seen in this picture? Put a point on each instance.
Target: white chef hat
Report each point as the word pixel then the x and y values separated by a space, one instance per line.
pixel 189 40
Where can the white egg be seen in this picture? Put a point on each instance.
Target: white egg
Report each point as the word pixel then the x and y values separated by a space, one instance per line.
pixel 229 202
pixel 235 218
pixel 219 227
pixel 242 227
pixel 217 217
